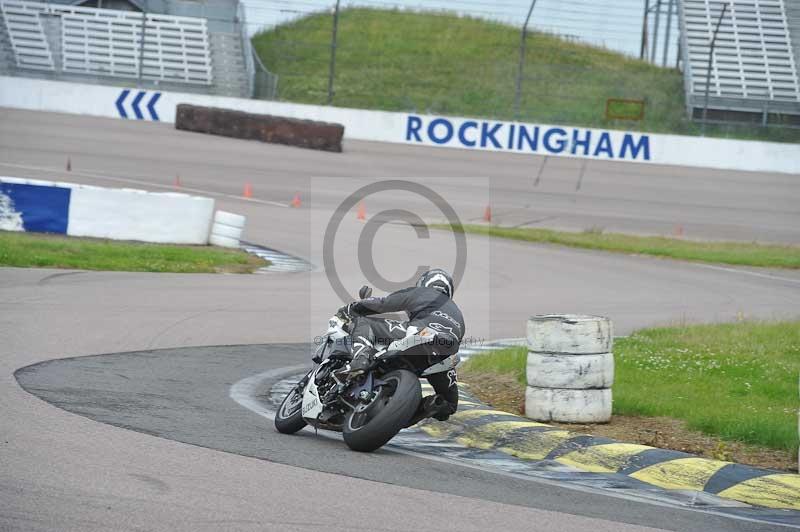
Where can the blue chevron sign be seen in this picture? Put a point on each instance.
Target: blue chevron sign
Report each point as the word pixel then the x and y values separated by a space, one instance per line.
pixel 136 103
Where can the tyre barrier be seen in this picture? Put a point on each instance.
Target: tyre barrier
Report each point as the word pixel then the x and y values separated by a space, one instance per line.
pixel 568 406
pixel 570 369
pixel 266 128
pixel 574 372
pixel 569 333
pixel 226 230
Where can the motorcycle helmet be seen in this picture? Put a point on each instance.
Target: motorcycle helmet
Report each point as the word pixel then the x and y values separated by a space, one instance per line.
pixel 439 280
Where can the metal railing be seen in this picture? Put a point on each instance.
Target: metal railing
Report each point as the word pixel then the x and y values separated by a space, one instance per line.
pixel 748 66
pixel 110 42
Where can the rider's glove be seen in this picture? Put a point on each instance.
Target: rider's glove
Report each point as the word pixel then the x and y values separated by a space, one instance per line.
pixel 345 313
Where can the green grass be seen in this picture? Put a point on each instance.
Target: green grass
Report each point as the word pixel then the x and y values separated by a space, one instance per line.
pixel 736 253
pixel 738 381
pixel 441 63
pixel 26 250
pixel 509 361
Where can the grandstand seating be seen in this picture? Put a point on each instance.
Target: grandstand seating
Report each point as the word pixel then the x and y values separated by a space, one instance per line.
pixel 754 72
pixel 26 35
pixel 106 42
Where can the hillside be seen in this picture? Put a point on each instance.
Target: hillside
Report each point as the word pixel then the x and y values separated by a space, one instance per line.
pixel 444 64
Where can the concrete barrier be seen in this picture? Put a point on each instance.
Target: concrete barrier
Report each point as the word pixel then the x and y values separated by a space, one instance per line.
pixel 118 214
pixel 266 128
pixel 422 130
pixel 570 369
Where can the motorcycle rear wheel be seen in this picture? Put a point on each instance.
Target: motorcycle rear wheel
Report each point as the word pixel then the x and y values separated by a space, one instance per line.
pixel 372 425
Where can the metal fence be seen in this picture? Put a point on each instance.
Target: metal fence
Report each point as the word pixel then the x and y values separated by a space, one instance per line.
pixel 535 76
pixel 263 84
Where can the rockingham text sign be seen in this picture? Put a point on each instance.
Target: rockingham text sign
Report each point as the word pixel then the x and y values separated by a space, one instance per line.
pixel 527 138
pixel 420 130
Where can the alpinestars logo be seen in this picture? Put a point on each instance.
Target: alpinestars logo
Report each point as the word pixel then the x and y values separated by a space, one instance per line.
pixel 452 377
pixel 438 327
pixel 447 317
pixel 395 325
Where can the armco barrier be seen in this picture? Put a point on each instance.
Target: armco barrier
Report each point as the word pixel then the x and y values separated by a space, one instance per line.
pixel 421 130
pixel 266 128
pixel 119 214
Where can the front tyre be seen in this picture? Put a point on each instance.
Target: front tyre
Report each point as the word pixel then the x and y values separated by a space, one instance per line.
pixel 289 417
pixel 371 425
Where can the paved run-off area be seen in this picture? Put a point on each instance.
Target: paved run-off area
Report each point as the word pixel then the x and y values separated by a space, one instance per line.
pixel 147 391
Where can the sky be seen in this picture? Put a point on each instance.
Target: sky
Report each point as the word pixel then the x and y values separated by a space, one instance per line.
pixel 614 24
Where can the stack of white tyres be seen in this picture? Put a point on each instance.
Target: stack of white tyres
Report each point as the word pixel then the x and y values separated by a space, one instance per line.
pixel 570 369
pixel 226 230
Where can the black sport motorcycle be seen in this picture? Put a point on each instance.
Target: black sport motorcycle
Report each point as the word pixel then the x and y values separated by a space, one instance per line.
pixel 368 406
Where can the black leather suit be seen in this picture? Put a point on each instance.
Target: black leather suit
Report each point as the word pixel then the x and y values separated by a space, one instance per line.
pixel 426 307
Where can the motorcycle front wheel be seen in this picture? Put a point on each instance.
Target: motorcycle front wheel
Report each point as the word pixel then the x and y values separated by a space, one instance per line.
pixel 289 417
pixel 370 425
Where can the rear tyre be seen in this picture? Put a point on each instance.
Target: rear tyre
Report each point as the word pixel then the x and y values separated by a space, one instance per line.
pixel 370 426
pixel 289 417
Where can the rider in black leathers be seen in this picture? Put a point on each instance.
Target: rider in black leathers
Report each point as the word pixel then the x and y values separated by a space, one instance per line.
pixel 428 304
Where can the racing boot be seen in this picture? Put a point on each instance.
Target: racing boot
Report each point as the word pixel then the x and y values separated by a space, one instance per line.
pixel 363 354
pixel 434 406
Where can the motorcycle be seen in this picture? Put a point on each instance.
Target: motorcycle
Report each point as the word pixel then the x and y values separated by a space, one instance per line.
pixel 370 406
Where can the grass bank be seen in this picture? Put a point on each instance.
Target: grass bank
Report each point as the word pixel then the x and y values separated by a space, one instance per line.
pixel 27 250
pixel 735 253
pixel 440 63
pixel 736 381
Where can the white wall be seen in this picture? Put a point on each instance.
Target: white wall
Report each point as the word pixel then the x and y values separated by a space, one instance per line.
pixel 128 214
pixel 406 128
pixel 124 214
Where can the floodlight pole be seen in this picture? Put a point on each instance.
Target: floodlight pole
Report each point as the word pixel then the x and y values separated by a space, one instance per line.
pixel 708 69
pixel 523 35
pixel 669 29
pixel 332 68
pixel 643 50
pixel 655 32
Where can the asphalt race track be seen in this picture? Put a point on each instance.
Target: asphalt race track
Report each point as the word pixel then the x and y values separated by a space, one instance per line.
pixel 62 471
pixel 148 392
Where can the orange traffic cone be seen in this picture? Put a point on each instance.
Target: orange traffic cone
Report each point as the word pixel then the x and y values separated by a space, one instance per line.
pixel 362 212
pixel 248 190
pixel 178 181
pixel 487 214
pixel 296 201
pixel 69 164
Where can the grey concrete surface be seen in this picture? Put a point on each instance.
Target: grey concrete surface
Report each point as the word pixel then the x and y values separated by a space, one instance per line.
pixel 59 471
pixel 627 197
pixel 150 392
